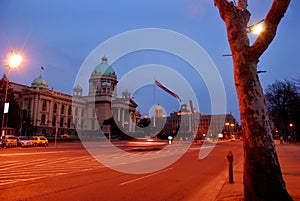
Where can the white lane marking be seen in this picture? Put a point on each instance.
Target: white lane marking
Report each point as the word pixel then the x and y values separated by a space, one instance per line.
pixel 44 173
pixel 33 153
pixel 144 177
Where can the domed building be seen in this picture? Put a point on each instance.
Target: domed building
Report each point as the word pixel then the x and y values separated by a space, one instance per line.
pixel 102 103
pixel 48 112
pixel 44 111
pixel 159 111
pixel 103 80
pixel 39 82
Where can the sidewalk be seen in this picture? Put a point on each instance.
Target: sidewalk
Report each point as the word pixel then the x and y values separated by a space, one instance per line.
pixel 289 158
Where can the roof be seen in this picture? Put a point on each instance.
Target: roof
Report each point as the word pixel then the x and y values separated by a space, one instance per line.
pixel 77 87
pixel 104 68
pixel 39 82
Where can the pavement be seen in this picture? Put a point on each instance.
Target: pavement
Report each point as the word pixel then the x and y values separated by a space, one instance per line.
pixel 289 159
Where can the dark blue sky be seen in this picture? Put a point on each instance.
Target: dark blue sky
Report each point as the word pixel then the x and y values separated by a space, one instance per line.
pixel 61 34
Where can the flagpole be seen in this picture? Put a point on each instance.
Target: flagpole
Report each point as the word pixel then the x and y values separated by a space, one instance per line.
pixel 41 70
pixel 154 97
pixel 154 93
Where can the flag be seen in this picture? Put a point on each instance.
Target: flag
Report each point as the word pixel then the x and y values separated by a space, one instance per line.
pixel 42 68
pixel 167 90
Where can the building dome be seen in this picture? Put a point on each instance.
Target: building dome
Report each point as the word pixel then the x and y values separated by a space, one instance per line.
pixel 126 94
pixel 77 88
pixel 104 68
pixel 159 111
pixel 39 82
pixel 185 108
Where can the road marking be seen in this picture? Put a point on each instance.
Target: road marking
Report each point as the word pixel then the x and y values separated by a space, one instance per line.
pixel 144 177
pixel 33 153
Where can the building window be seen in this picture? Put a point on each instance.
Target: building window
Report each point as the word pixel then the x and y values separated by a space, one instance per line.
pixel 54 121
pixel 62 109
pixel 43 119
pixel 93 124
pixel 76 112
pixel 69 122
pixel 44 105
pixel 29 104
pixel 70 110
pixel 82 123
pixel 61 122
pixel 54 107
pixel 82 112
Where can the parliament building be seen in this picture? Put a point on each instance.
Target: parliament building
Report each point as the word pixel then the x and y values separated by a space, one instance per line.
pixel 45 111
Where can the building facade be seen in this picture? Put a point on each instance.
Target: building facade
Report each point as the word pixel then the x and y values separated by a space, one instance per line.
pixel 48 112
pixel 214 125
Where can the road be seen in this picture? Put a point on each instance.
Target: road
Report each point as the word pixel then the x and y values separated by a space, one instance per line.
pixel 69 172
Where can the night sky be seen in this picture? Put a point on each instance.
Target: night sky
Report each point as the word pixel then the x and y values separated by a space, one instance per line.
pixel 60 35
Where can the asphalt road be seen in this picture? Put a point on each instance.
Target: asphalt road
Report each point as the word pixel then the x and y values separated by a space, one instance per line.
pixel 69 172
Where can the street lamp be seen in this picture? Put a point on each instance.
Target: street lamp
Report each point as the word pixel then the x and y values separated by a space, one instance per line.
pixel 256 28
pixel 14 60
pixel 227 129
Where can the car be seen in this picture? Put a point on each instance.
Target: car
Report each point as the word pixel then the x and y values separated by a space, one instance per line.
pixel 146 144
pixel 39 141
pixel 24 141
pixel 8 141
pixel 64 135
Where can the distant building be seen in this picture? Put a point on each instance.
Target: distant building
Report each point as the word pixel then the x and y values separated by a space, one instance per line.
pixel 183 123
pixel 213 125
pixel 102 103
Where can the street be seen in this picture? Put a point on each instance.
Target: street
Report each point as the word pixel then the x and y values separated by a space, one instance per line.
pixel 69 172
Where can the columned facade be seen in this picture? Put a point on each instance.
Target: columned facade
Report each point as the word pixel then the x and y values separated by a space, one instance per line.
pixel 45 111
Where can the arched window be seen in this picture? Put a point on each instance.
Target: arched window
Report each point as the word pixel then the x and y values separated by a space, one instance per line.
pixel 69 122
pixel 43 119
pixel 76 111
pixel 93 124
pixel 29 104
pixel 44 105
pixel 82 124
pixel 54 121
pixel 54 107
pixel 62 109
pixel 61 122
pixel 82 112
pixel 70 110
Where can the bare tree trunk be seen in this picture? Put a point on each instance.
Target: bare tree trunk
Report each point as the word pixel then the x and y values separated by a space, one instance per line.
pixel 262 175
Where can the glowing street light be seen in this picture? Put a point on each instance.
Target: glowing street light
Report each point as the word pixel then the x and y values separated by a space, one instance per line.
pixel 256 28
pixel 14 60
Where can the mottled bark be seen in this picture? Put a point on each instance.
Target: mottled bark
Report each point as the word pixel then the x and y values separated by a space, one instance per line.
pixel 262 175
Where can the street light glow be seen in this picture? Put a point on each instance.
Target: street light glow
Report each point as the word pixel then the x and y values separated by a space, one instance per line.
pixel 15 59
pixel 257 29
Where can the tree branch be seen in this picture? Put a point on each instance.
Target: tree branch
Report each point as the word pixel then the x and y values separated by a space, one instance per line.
pixel 271 22
pixel 242 4
pixel 224 7
pixel 236 19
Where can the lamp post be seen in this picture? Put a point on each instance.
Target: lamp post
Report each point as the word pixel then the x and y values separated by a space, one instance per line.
pixel 227 129
pixel 14 61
